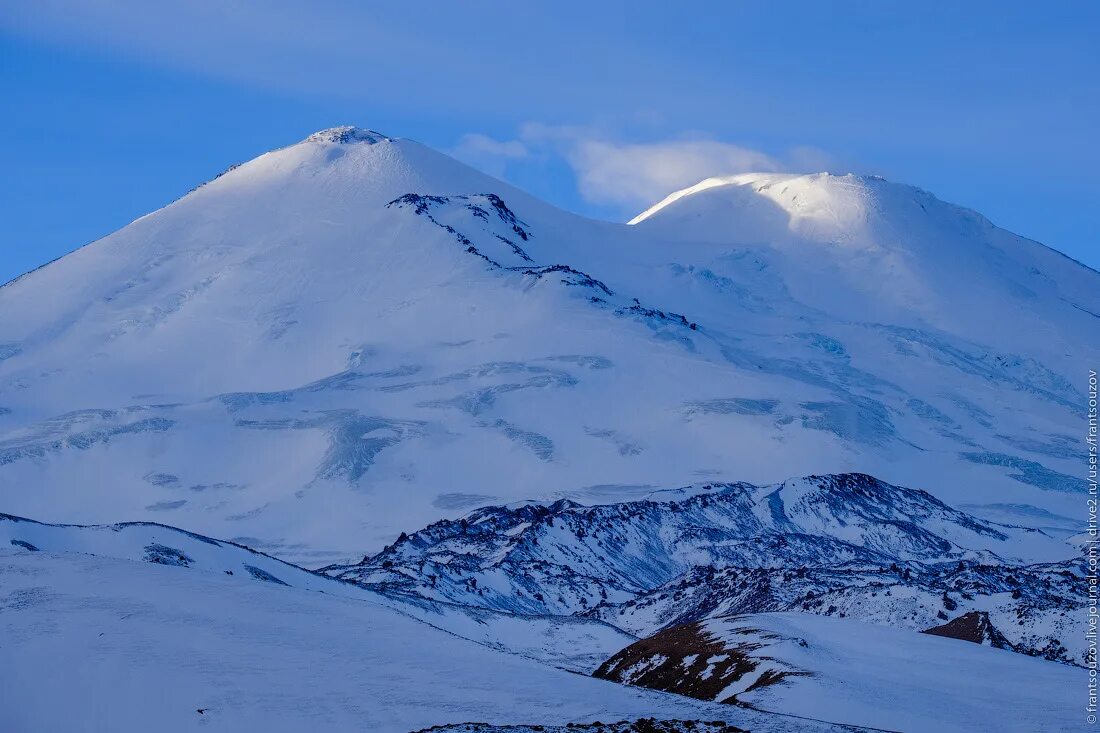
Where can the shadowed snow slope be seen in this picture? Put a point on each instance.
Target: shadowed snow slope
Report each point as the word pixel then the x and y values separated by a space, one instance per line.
pixel 355 335
pixel 570 643
pixel 135 646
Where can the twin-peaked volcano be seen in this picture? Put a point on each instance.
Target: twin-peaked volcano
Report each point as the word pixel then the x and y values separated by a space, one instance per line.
pixel 356 335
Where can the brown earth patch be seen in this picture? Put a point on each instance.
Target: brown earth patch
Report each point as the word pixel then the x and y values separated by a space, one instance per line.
pixel 974 627
pixel 676 660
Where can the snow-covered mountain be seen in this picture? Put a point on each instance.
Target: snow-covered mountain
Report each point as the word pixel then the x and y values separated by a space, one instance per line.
pixel 845 546
pixel 356 335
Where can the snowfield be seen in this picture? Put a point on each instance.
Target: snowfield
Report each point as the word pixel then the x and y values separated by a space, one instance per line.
pixel 577 644
pixel 93 643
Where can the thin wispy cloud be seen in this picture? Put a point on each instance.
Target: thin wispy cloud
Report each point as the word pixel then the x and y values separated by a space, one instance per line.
pixel 629 175
pixel 640 173
pixel 449 60
pixel 488 154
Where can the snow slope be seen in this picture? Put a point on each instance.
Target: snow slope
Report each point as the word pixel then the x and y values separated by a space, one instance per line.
pixel 131 646
pixel 356 335
pixel 855 673
pixel 570 643
pixel 865 249
pixel 142 626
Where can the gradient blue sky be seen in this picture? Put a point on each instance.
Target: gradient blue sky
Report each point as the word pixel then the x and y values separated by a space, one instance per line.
pixel 113 108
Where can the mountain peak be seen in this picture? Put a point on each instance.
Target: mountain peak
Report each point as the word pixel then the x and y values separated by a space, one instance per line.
pixel 792 191
pixel 346 134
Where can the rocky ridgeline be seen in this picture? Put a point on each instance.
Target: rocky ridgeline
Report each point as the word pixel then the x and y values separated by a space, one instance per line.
pixel 844 545
pixel 485 227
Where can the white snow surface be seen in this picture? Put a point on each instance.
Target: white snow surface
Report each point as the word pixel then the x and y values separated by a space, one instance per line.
pixel 92 644
pixel 579 645
pixel 874 677
pixel 870 675
pixel 141 626
pixel 283 358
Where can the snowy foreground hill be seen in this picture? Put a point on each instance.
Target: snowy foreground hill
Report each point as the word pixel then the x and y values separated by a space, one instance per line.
pixel 93 642
pixel 483 464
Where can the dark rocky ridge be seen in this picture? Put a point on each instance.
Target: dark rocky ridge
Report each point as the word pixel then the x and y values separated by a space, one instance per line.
pixel 846 545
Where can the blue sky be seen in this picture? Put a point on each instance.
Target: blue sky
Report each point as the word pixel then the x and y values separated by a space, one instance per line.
pixel 113 108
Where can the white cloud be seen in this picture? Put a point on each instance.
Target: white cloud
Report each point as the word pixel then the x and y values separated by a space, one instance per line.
pixel 642 173
pixel 488 154
pixel 632 175
pixel 476 144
